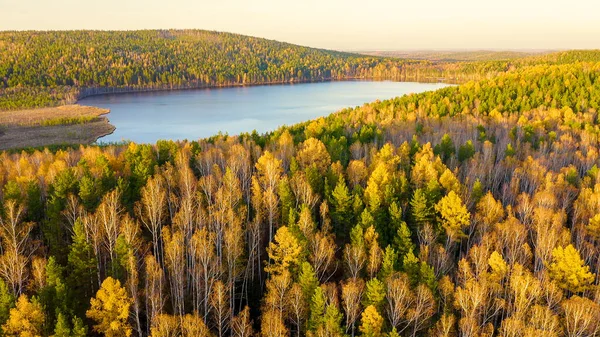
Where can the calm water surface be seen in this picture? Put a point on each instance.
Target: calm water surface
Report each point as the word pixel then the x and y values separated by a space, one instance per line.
pixel 193 114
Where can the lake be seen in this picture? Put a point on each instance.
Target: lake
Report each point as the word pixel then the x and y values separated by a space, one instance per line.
pixel 146 117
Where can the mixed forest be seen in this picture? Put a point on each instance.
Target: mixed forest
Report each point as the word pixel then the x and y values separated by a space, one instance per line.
pixel 52 68
pixel 472 211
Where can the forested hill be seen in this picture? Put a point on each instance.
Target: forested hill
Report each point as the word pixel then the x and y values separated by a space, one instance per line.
pixel 49 68
pixel 40 69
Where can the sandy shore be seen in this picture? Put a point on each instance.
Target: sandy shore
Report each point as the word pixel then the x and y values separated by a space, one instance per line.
pixel 68 124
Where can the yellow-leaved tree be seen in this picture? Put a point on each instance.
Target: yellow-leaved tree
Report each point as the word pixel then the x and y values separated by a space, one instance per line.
pixel 110 309
pixel 26 319
pixel 371 322
pixel 498 265
pixel 284 252
pixel 569 270
pixel 454 216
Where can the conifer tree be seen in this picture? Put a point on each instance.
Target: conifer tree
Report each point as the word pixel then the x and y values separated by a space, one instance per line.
pixel 7 301
pixel 79 328
pixel 318 304
pixel 466 151
pixel 374 293
pixel 421 210
pixel 332 322
pixel 477 191
pixel 388 266
pixel 62 328
pixel 53 296
pixel 308 280
pixel 342 214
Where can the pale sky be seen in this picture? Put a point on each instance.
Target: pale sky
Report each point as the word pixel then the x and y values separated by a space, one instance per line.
pixel 335 24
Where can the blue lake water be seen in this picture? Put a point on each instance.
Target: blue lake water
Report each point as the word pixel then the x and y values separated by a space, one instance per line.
pixel 192 114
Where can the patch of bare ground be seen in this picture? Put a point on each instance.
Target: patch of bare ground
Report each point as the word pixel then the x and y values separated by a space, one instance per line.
pixel 69 124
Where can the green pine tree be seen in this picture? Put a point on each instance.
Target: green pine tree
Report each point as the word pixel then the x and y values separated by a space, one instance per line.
pixel 286 198
pixel 357 236
pixel 317 309
pixel 79 328
pixel 308 280
pixel 53 297
pixel 82 270
pixel 62 329
pixel 332 321
pixel 466 151
pixel 374 293
pixel 366 219
pixel 412 267
pixel 388 266
pixel 341 214
pixel 477 192
pixel 421 210
pixel 7 301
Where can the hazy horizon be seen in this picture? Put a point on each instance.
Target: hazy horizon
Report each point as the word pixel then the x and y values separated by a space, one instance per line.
pixel 518 25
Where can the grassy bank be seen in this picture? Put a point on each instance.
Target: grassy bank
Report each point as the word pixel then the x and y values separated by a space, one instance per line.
pixel 69 124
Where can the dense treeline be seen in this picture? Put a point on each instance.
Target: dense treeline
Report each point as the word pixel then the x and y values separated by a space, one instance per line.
pixel 39 69
pixel 48 68
pixel 469 211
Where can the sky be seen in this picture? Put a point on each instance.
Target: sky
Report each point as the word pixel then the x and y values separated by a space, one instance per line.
pixel 336 24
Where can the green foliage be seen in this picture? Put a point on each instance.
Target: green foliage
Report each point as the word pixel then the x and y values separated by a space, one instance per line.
pixel 466 151
pixel 317 309
pixel 421 209
pixel 341 209
pixel 62 328
pixel 7 301
pixel 477 192
pixel 82 268
pixel 388 265
pixel 374 293
pixel 445 149
pixel 308 280
pixel 332 321
pixel 53 297
pixel 286 198
pixel 79 328
pixel 69 120
pixel 357 237
pixel 419 272
pixel 510 151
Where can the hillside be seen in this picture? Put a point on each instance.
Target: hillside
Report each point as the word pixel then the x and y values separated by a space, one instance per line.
pixel 468 211
pixel 50 68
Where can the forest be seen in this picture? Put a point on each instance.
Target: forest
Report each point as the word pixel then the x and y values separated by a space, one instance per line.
pixel 45 69
pixel 51 68
pixel 473 211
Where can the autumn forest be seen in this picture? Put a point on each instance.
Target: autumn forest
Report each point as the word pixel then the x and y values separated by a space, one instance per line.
pixel 473 210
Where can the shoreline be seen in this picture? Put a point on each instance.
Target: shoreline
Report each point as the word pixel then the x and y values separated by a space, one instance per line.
pixel 67 124
pixel 100 91
pixel 90 132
